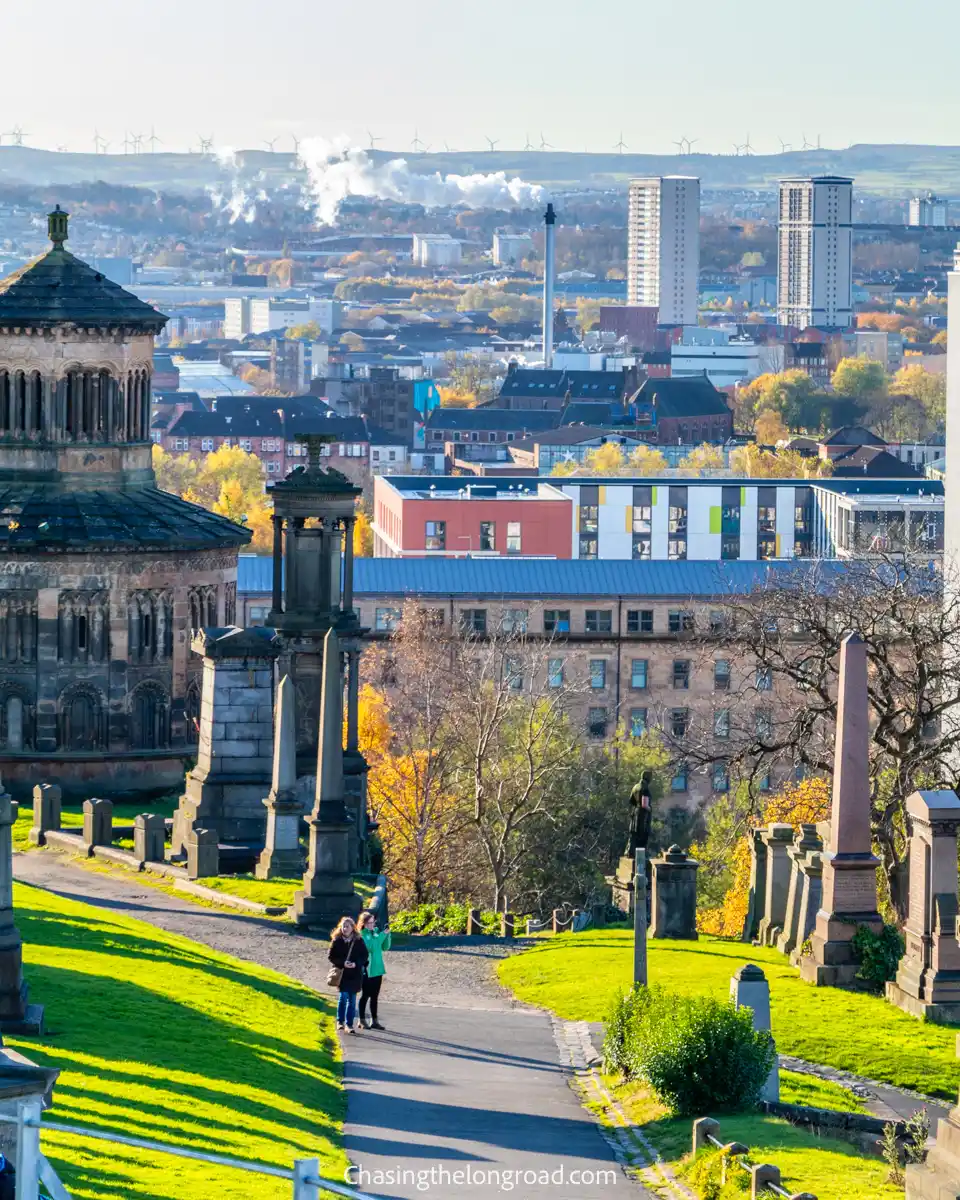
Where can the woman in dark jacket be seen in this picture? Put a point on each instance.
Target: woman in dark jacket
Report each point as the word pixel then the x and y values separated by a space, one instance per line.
pixel 348 952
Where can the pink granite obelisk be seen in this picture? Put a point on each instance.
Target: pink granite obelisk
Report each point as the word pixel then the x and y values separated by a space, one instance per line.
pixel 849 865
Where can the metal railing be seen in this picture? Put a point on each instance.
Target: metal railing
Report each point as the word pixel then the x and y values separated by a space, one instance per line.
pixel 34 1169
pixel 764 1177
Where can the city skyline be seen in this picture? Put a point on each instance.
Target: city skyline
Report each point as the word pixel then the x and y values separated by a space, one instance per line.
pixel 423 77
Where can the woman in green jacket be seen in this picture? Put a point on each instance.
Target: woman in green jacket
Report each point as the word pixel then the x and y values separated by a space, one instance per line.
pixel 376 940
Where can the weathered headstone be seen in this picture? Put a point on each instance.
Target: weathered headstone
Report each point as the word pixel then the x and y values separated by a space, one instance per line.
pixel 674 907
pixel 640 919
pixel 46 812
pixel 811 872
pixel 203 855
pixel 928 980
pixel 281 857
pixel 149 834
pixel 328 891
pixel 749 989
pixel 758 885
pixel 97 823
pixel 16 1015
pixel 806 842
pixel 849 866
pixel 777 838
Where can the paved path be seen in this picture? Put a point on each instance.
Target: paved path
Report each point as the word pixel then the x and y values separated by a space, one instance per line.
pixel 463 1079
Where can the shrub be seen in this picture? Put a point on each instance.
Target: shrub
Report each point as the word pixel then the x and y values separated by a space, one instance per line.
pixel 439 919
pixel 878 954
pixel 625 1007
pixel 699 1055
pixel 706 1174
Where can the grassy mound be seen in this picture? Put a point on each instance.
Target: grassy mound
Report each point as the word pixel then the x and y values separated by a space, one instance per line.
pixel 576 975
pixel 159 1037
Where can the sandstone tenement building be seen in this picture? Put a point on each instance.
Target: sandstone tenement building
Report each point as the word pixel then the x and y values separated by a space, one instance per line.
pixel 102 575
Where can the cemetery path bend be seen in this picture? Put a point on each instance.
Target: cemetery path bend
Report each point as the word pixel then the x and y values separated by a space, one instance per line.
pixel 463 1080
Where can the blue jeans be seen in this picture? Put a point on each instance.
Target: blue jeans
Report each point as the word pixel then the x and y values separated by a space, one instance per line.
pixel 347 1009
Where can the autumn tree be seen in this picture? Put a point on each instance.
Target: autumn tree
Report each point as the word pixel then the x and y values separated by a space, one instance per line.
pixel 228 481
pixel 363 535
pixel 927 388
pixel 756 463
pixel 647 460
pixel 703 458
pixel 769 427
pixel 604 460
pixel 792 394
pixel 860 379
pixel 588 314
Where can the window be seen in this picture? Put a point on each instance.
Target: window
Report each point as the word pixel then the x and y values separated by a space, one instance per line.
pixel 257 614
pixel 639 620
pixel 642 521
pixel 206 444
pixel 764 679
pixel 721 675
pixel 488 535
pixel 730 548
pixel 272 467
pixel 642 546
pixel 638 673
pixel 767 519
pixel 435 535
pixel 718 622
pixel 513 674
pixel 721 723
pixel 556 620
pixel 513 537
pixel 678 782
pixel 599 620
pixel 597 722
pixel 638 722
pixel 680 621
pixel 435 617
pixel 386 619
pixel 721 777
pixel 677 523
pixel 555 672
pixel 588 546
pixel 82 632
pixel 764 724
pixel 681 673
pixel 513 620
pixel 473 620
pixel 245 444
pixel 676 549
pixel 678 722
pixel 598 673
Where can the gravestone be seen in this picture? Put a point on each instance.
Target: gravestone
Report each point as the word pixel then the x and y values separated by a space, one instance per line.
pixel 281 857
pixel 328 891
pixel 806 842
pixel 46 813
pixel 149 834
pixel 97 823
pixel 640 919
pixel 777 839
pixel 849 866
pixel 203 855
pixel 811 874
pixel 928 979
pixel 674 906
pixel 749 989
pixel 758 885
pixel 16 1014
pixel 939 1177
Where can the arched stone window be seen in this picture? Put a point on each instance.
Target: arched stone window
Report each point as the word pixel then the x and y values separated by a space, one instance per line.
pixel 81 719
pixel 16 719
pixel 191 710
pixel 150 713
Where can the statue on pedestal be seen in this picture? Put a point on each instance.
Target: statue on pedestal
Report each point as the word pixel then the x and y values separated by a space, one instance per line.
pixel 641 816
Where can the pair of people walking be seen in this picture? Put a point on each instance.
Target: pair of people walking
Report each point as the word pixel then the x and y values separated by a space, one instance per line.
pixel 356 951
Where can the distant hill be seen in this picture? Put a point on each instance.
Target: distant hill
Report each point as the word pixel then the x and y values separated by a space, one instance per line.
pixel 893 169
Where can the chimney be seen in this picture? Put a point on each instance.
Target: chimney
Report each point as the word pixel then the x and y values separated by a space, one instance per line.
pixel 549 222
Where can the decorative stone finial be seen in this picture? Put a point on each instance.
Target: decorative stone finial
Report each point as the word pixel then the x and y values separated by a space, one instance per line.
pixel 57 226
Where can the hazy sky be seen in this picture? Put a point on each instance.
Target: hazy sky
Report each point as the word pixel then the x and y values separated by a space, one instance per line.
pixel 576 72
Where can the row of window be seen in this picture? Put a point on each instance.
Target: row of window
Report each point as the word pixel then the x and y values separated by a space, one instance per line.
pixel 555 620
pixel 435 537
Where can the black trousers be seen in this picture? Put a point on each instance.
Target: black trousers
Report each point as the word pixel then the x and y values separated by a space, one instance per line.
pixel 371 992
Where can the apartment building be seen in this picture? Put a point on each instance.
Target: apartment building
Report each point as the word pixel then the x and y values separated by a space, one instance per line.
pixel 815 252
pixel 663 246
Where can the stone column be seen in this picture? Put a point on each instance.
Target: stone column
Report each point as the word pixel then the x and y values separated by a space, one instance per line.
pixel 16 1016
pixel 281 858
pixel 749 989
pixel 758 885
pixel 149 834
pixel 328 884
pixel 777 839
pixel 849 866
pixel 277 564
pixel 203 855
pixel 805 843
pixel 46 812
pixel 97 823
pixel 674 896
pixel 347 601
pixel 811 893
pixel 640 920
pixel 353 701
pixel 928 979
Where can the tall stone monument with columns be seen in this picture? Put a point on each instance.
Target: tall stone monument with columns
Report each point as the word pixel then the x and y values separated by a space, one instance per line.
pixel 849 896
pixel 281 857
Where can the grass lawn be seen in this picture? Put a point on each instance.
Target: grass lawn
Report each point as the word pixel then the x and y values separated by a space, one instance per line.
pixel 159 1037
pixel 72 818
pixel 829 1168
pixel 577 975
pixel 818 1093
pixel 269 891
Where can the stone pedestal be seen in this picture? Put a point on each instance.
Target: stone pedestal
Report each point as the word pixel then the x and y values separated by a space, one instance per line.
pixel 203 854
pixel 149 834
pixel 806 842
pixel 16 1014
pixel 777 838
pixel 281 857
pixel 225 790
pixel 97 823
pixel 640 919
pixel 674 904
pixel 46 813
pixel 811 893
pixel 749 989
pixel 928 980
pixel 849 866
pixel 939 1177
pixel 622 884
pixel 758 885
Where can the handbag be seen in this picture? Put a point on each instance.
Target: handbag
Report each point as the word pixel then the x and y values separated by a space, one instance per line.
pixel 334 975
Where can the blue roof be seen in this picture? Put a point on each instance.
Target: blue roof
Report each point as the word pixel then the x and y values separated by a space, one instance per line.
pixel 544 577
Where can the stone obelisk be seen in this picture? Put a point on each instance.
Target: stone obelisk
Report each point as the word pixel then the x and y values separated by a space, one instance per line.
pixel 849 866
pixel 281 858
pixel 328 884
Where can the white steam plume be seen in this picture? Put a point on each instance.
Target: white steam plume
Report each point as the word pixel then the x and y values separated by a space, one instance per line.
pixel 337 170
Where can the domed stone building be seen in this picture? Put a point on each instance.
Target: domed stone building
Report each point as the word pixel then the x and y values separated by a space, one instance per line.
pixel 102 575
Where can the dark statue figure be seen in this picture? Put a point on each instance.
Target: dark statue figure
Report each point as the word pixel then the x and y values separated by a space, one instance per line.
pixel 641 814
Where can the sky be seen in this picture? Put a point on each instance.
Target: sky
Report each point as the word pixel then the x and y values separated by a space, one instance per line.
pixel 577 75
